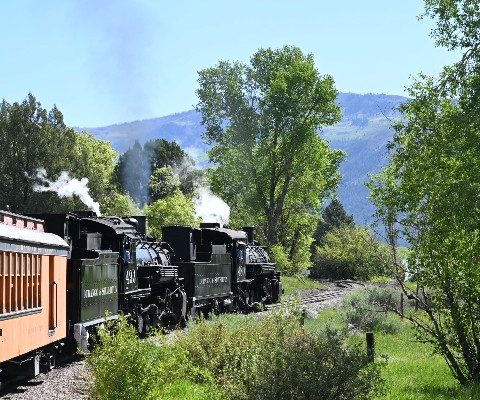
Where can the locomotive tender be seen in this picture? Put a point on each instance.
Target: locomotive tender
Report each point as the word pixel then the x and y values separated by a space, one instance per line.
pixel 220 270
pixel 56 288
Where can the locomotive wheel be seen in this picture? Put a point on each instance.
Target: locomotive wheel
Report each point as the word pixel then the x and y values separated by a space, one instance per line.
pixel 147 323
pixel 139 324
pixel 216 307
pixel 144 324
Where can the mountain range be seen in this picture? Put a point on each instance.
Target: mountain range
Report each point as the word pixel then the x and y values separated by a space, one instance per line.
pixel 363 133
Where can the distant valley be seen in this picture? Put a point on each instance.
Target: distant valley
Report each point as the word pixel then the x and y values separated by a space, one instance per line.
pixel 363 134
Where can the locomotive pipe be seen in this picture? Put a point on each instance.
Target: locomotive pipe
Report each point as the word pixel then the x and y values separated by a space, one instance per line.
pixel 249 231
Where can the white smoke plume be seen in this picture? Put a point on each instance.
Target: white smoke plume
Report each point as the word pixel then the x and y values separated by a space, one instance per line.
pixel 211 208
pixel 65 186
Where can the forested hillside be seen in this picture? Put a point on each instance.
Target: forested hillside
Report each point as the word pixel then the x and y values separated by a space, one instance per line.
pixel 363 133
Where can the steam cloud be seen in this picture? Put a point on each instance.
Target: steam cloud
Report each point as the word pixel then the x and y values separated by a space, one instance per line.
pixel 211 208
pixel 65 186
pixel 123 39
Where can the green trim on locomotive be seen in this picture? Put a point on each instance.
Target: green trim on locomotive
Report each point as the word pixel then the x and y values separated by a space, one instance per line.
pixel 89 237
pixel 119 237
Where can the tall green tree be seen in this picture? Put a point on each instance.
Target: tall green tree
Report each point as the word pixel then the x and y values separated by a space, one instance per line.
pixel 141 165
pixel 96 160
pixel 32 137
pixel 333 216
pixel 133 173
pixel 163 154
pixel 176 209
pixel 262 121
pixel 428 194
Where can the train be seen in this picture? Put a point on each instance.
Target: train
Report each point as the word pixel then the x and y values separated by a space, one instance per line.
pixel 63 275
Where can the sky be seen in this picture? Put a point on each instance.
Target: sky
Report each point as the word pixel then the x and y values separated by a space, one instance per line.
pixel 104 62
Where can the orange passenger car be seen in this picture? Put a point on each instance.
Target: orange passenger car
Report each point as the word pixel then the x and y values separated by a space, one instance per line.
pixel 33 277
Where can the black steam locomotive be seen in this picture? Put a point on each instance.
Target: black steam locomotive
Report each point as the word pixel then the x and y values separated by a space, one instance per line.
pixel 115 268
pixel 222 269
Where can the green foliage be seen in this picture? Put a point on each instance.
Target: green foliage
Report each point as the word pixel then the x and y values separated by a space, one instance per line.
pixel 350 253
pixel 155 170
pixel 262 119
pixel 163 183
pixel 164 154
pixel 186 390
pixel 296 238
pixel 232 357
pixel 367 309
pixel 173 210
pixel 292 261
pixel 32 137
pixel 410 370
pixel 272 359
pixel 280 257
pixel 428 193
pixel 123 367
pixel 95 159
pixel 458 23
pixel 334 216
pixel 119 205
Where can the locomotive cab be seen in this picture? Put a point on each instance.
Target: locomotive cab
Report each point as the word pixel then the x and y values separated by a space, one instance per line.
pixel 267 286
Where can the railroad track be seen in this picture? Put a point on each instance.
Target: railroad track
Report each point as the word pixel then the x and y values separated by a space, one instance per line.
pixel 342 287
pixel 317 298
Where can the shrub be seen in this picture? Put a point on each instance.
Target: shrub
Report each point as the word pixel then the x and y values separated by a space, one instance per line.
pixel 273 359
pixel 350 253
pixel 366 309
pixel 123 367
pixel 235 358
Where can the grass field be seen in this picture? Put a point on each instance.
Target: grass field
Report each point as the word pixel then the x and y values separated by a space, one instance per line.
pixel 293 284
pixel 412 371
pixel 235 356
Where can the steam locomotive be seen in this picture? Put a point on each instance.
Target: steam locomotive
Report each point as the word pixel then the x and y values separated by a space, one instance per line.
pixel 62 275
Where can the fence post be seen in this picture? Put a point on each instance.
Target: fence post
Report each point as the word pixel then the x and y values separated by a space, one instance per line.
pixel 370 346
pixel 302 320
pixel 401 305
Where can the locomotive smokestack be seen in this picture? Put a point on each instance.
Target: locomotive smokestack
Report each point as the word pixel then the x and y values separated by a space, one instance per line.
pixel 249 231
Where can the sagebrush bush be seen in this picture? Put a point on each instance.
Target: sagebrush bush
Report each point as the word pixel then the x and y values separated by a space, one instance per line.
pixel 234 358
pixel 124 367
pixel 272 359
pixel 367 309
pixel 349 252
